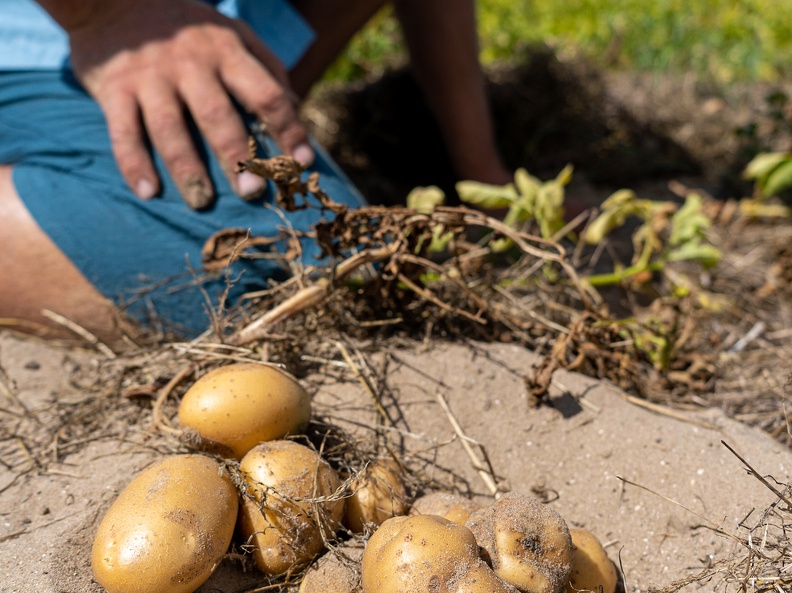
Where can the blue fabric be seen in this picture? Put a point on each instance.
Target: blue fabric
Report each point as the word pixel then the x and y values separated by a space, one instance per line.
pixel 145 255
pixel 30 39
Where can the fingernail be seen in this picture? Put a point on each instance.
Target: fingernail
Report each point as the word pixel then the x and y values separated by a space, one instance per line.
pixel 249 185
pixel 197 193
pixel 145 190
pixel 303 154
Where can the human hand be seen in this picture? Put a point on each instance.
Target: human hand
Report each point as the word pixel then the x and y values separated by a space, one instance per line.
pixel 145 62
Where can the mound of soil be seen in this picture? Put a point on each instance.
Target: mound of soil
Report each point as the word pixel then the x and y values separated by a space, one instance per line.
pixel 619 129
pixel 602 462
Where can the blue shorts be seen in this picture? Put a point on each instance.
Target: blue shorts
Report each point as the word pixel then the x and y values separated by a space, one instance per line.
pixel 144 255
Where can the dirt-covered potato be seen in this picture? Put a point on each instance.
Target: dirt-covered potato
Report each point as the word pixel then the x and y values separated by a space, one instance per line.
pixel 233 408
pixel 378 493
pixel 591 567
pixel 426 553
pixel 336 572
pixel 527 542
pixel 168 529
pixel 453 507
pixel 292 500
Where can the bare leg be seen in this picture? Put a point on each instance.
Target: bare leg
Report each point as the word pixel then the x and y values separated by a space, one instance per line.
pixel 37 275
pixel 335 22
pixel 443 44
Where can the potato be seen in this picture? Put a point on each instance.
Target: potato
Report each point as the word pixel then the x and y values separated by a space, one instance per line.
pixel 591 567
pixel 233 408
pixel 445 504
pixel 333 573
pixel 527 542
pixel 378 493
pixel 280 515
pixel 426 553
pixel 168 529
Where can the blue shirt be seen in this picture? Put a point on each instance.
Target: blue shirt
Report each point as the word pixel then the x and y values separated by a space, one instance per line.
pixel 31 40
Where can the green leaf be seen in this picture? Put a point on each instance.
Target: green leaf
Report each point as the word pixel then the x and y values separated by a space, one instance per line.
pixel 618 199
pixel 501 245
pixel 599 228
pixel 565 176
pixel 550 208
pixel 440 239
pixel 615 211
pixel 514 217
pixel 425 199
pixel 522 210
pixel 778 180
pixel 527 184
pixel 485 195
pixel 689 221
pixel 763 164
pixel 704 253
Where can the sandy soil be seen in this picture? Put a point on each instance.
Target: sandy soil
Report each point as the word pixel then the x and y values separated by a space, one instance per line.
pixel 570 452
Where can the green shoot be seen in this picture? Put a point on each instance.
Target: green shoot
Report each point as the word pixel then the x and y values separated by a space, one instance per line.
pixel 666 234
pixel 526 199
pixel 772 173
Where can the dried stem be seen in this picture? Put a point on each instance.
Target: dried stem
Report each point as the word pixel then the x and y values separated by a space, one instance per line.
pixel 80 331
pixel 485 471
pixel 158 420
pixel 309 296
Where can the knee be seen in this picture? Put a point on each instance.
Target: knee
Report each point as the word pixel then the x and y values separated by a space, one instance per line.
pixel 38 277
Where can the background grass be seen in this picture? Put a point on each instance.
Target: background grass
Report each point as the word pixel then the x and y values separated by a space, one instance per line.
pixel 719 40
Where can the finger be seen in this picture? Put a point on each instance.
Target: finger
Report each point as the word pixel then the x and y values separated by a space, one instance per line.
pixel 129 147
pixel 164 119
pixel 260 82
pixel 263 96
pixel 222 126
pixel 265 57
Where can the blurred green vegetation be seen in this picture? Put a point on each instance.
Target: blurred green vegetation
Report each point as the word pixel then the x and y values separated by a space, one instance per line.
pixel 719 40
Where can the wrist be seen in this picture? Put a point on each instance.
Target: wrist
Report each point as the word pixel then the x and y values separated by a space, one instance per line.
pixel 73 16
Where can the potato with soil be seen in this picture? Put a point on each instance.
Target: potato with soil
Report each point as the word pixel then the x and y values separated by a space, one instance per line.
pixel 452 506
pixel 291 502
pixel 426 553
pixel 528 543
pixel 592 570
pixel 168 529
pixel 378 493
pixel 233 408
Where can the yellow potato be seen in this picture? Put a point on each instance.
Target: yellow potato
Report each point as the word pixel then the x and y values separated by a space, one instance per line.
pixel 378 493
pixel 527 542
pixel 233 408
pixel 168 529
pixel 591 567
pixel 445 504
pixel 281 516
pixel 426 553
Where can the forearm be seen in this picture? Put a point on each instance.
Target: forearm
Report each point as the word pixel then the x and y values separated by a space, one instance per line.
pixel 443 45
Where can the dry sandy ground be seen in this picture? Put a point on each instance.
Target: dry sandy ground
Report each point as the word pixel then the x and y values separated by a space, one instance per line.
pixel 572 450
